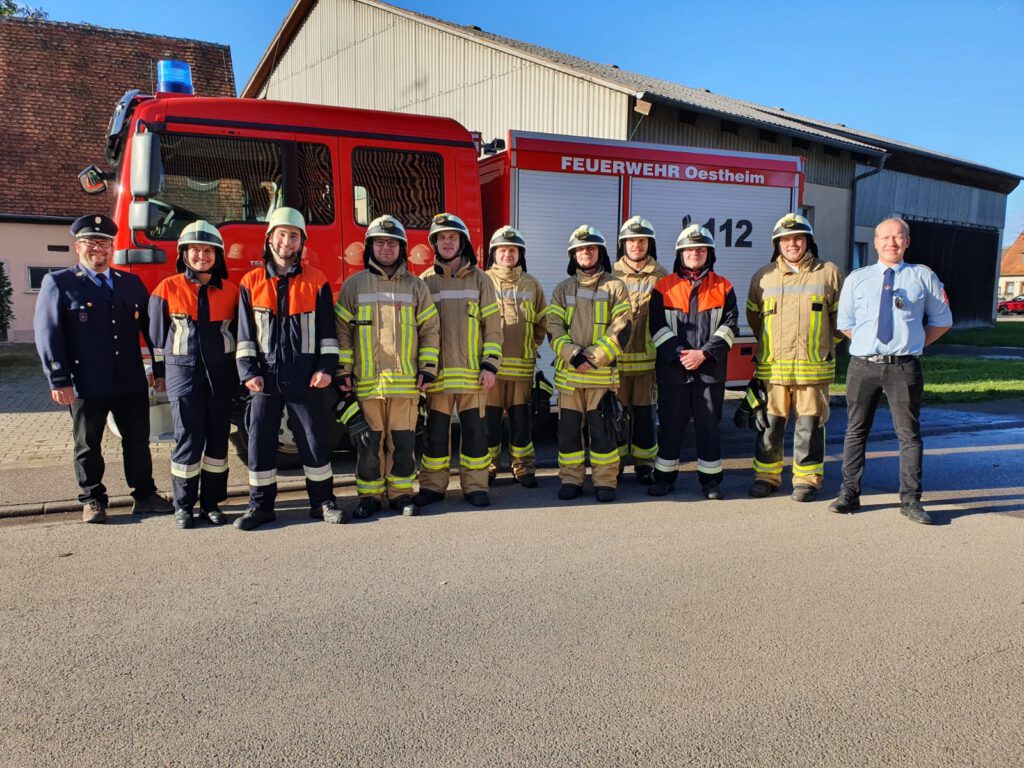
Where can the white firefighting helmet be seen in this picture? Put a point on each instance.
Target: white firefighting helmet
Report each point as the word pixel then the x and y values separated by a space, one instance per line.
pixel 637 226
pixel 588 235
pixel 202 233
pixel 695 236
pixel 507 235
pixel 385 227
pixel 793 224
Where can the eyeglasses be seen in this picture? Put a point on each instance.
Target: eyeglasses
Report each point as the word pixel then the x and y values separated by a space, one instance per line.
pixel 96 244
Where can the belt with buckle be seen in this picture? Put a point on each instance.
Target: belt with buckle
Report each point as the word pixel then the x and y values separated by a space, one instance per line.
pixel 889 359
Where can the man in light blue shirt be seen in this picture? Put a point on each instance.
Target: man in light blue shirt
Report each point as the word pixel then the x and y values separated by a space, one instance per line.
pixel 890 311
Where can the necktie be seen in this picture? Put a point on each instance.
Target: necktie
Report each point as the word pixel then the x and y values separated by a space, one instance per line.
pixel 885 308
pixel 105 286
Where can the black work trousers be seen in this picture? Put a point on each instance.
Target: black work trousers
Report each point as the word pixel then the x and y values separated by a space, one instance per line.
pixel 131 415
pixel 681 399
pixel 903 385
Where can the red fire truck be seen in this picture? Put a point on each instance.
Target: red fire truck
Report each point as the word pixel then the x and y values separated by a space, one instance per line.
pixel 177 158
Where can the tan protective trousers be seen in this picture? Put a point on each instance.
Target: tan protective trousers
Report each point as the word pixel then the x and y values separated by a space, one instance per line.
pixel 474 458
pixel 810 404
pixel 387 468
pixel 576 408
pixel 511 396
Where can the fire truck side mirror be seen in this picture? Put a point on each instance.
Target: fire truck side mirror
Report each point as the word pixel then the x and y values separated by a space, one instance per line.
pixel 146 170
pixel 93 180
pixel 143 215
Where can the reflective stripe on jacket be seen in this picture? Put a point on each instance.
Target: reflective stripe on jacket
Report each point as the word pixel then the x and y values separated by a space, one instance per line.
pixel 388 332
pixel 638 355
pixel 521 308
pixel 188 344
pixel 589 313
pixel 713 330
pixel 470 326
pixel 286 326
pixel 793 316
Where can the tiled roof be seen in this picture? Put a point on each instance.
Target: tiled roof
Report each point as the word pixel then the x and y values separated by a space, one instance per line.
pixel 1013 259
pixel 67 78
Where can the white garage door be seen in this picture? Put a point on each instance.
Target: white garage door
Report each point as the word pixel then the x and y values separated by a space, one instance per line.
pixel 743 221
pixel 548 207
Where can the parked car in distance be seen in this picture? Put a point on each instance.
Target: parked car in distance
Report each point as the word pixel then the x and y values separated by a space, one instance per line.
pixel 1014 306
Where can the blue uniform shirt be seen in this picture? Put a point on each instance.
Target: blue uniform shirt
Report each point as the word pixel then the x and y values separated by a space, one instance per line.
pixel 915 286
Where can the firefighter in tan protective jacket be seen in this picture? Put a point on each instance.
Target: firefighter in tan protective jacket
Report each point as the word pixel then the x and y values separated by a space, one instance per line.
pixel 589 321
pixel 388 336
pixel 468 367
pixel 791 309
pixel 638 268
pixel 521 303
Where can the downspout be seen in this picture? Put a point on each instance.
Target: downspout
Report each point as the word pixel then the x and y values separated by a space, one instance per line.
pixel 853 208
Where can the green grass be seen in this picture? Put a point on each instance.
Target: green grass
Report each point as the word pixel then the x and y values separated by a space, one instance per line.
pixel 1007 333
pixel 18 357
pixel 958 379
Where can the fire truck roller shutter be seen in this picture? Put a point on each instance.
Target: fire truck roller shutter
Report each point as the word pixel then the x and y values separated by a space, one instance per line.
pixel 548 208
pixel 744 219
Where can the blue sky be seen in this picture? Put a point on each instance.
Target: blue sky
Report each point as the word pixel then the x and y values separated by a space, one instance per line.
pixel 944 75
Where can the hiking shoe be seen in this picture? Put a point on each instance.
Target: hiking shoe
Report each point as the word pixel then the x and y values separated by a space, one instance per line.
pixel 154 504
pixel 94 512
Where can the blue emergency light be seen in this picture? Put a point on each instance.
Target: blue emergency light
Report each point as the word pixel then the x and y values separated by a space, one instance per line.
pixel 174 76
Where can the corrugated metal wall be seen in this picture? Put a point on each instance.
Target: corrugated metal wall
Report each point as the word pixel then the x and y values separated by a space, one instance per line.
pixel 349 54
pixel 891 192
pixel 662 126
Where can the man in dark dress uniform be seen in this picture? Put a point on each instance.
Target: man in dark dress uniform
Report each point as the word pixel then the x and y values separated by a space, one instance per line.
pixel 87 324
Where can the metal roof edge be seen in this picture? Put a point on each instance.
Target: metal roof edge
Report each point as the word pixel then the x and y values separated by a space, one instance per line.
pixel 850 144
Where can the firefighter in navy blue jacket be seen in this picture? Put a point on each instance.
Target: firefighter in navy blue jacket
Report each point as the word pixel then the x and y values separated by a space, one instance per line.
pixel 87 324
pixel 693 322
pixel 193 323
pixel 286 349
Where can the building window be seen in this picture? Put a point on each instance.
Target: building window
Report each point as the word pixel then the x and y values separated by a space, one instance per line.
pixel 35 277
pixel 407 185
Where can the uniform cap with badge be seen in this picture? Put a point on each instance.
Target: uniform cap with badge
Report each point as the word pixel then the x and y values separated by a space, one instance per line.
pixel 95 226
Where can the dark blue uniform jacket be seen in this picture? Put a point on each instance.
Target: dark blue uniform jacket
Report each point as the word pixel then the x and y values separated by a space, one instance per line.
pixel 88 340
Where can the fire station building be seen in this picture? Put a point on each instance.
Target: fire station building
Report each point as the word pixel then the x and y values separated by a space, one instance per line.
pixel 330 52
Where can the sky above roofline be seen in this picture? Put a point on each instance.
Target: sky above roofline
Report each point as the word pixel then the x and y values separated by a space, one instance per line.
pixel 942 75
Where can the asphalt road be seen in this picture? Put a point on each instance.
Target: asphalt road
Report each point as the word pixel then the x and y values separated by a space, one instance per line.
pixel 642 633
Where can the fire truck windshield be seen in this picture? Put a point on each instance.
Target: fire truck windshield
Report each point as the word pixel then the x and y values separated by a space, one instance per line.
pixel 239 181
